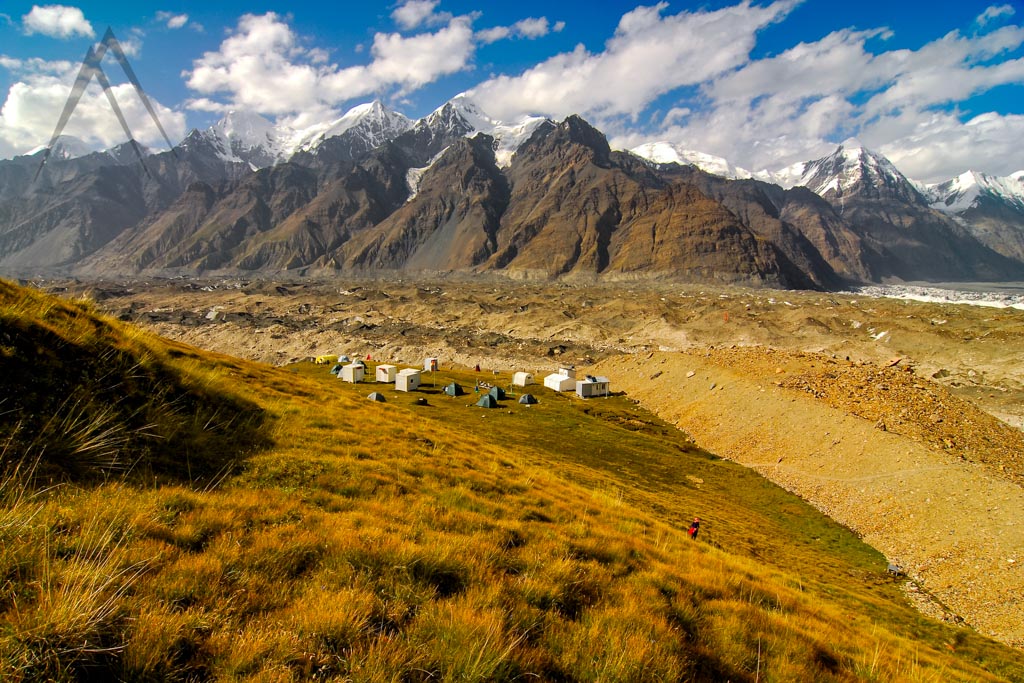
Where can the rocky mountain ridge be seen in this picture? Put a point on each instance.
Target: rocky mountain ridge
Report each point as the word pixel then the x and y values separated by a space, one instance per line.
pixel 461 191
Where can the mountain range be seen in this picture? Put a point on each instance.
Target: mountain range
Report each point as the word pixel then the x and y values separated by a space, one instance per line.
pixel 460 191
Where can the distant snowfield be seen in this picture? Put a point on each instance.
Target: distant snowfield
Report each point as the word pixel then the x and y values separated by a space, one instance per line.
pixel 994 295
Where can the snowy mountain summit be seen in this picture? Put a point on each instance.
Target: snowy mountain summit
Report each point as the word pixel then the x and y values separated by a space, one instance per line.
pixel 247 137
pixel 461 115
pixel 853 169
pixel 671 153
pixel 372 124
pixel 972 189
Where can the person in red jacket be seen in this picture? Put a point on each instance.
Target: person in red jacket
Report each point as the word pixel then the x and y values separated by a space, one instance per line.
pixel 694 528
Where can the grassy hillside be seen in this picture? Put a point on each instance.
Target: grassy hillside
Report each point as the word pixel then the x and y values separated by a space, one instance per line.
pixel 83 398
pixel 401 542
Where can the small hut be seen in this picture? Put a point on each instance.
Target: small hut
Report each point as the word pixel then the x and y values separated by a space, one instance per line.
pixel 522 379
pixel 563 380
pixel 430 365
pixel 352 372
pixel 386 373
pixel 407 380
pixel 593 386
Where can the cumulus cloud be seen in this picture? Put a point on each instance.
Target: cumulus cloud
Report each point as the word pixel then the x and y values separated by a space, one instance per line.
pixel 940 146
pixel 57 21
pixel 415 13
pixel 263 66
pixel 798 104
pixel 649 55
pixel 35 102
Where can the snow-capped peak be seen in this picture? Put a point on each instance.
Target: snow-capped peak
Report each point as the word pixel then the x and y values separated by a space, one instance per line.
pixel 246 137
pixel 670 153
pixel 66 147
pixel 852 169
pixel 967 189
pixel 463 115
pixel 375 122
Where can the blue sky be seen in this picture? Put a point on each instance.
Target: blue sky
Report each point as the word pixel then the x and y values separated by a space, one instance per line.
pixel 936 86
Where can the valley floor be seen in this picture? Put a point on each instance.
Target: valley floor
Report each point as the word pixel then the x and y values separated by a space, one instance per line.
pixel 878 411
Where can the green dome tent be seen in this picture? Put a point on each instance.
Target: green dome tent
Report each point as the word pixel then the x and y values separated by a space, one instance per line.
pixel 454 389
pixel 487 401
pixel 498 393
pixel 527 399
pixel 378 397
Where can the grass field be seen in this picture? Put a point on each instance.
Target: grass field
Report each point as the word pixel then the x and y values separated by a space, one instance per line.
pixel 275 525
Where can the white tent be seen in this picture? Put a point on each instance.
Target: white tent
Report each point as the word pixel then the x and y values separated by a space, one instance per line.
pixel 353 372
pixel 593 386
pixel 558 382
pixel 386 373
pixel 521 379
pixel 407 380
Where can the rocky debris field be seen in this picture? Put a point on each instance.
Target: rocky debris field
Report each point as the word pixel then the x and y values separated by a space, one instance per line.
pixel 939 492
pixel 900 419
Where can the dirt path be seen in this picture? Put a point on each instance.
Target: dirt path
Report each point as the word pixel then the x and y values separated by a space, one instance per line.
pixel 952 521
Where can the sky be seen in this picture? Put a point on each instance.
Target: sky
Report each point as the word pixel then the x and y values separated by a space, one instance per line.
pixel 936 86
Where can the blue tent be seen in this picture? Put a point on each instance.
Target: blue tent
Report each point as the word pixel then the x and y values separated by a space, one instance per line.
pixel 498 393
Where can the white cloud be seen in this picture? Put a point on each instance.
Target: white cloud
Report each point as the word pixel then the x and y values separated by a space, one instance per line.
pixel 35 65
pixel 492 35
pixel 648 56
pixel 559 25
pixel 798 104
pixel 994 12
pixel 34 104
pixel 529 28
pixel 412 62
pixel 172 20
pixel 532 27
pixel 940 146
pixel 415 13
pixel 57 21
pixel 263 66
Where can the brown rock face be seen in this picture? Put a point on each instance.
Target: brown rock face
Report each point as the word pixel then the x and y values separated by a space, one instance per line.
pixel 578 209
pixel 450 224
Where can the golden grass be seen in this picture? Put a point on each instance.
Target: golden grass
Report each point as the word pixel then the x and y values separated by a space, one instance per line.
pixel 394 542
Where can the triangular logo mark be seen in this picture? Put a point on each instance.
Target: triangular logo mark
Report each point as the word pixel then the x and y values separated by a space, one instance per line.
pixel 91 68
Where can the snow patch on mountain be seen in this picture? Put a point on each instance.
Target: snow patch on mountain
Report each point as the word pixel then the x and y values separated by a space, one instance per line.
pixel 670 153
pixel 414 175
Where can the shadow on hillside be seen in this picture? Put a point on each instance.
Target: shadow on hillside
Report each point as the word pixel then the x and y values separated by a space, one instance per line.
pixel 79 402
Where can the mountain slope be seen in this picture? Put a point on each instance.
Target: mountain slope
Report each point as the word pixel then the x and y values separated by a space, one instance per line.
pixel 577 209
pixel 451 224
pixel 990 208
pixel 907 238
pixel 438 544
